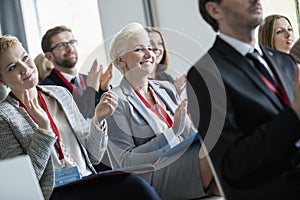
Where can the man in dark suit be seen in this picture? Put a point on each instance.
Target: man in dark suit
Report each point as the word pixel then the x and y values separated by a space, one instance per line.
pixel 249 120
pixel 59 47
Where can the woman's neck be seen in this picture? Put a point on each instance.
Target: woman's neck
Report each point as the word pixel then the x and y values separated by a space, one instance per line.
pixel 152 75
pixel 32 94
pixel 138 83
pixel 143 90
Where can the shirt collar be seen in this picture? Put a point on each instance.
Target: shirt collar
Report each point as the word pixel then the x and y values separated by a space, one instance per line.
pixel 242 47
pixel 69 77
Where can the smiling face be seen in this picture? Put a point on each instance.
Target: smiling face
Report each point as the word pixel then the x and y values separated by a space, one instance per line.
pixel 157 45
pixel 17 69
pixel 284 37
pixel 139 56
pixel 66 57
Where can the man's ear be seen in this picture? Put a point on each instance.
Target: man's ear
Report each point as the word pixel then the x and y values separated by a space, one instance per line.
pixel 212 9
pixel 49 56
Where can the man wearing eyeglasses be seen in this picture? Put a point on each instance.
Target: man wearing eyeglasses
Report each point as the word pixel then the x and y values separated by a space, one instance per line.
pixel 59 47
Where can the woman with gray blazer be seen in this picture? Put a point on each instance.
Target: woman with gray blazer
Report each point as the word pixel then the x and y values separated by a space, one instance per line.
pixel 45 123
pixel 150 121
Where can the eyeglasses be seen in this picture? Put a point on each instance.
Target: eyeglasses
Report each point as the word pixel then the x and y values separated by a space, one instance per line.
pixel 63 45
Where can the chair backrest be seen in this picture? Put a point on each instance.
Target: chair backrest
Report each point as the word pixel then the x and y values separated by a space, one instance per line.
pixel 18 180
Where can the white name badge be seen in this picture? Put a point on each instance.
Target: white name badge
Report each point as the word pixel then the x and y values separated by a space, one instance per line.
pixel 66 175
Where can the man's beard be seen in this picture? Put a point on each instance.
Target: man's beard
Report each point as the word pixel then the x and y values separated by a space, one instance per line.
pixel 67 63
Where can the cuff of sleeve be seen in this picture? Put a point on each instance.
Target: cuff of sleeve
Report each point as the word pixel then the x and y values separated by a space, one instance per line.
pixel 50 133
pixel 171 137
pixel 101 126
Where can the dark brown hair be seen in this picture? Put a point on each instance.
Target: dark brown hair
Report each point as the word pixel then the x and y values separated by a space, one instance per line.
pixel 266 30
pixel 46 40
pixel 164 63
pixel 211 21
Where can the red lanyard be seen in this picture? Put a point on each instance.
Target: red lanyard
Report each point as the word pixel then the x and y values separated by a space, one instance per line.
pixel 281 94
pixel 53 125
pixel 22 105
pixel 163 115
pixel 280 91
pixel 68 84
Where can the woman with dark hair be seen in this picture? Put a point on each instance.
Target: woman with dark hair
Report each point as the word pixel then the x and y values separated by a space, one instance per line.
pixel 162 60
pixel 276 32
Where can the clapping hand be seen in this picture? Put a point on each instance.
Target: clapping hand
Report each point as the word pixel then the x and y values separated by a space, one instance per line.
pixel 180 117
pixel 180 83
pixel 106 106
pixel 37 112
pixel 106 78
pixel 94 76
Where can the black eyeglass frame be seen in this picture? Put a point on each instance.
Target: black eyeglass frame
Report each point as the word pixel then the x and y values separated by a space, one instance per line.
pixel 63 45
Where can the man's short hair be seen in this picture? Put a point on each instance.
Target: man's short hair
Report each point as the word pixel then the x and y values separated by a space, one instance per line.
pixel 46 40
pixel 211 21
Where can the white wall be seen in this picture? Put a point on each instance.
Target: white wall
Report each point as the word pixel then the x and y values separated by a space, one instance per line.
pixel 114 15
pixel 186 33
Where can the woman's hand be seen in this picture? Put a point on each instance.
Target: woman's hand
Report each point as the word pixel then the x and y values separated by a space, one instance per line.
pixel 106 106
pixel 94 76
pixel 106 78
pixel 37 112
pixel 180 118
pixel 180 83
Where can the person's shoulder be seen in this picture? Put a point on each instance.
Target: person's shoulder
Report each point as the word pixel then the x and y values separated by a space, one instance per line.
pixel 278 55
pixel 47 81
pixel 272 52
pixel 7 107
pixel 55 90
pixel 162 83
pixel 166 85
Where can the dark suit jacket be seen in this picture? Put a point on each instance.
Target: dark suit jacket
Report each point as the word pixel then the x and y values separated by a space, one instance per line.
pixel 86 103
pixel 250 133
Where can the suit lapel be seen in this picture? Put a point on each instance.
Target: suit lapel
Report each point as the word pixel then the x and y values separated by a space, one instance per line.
pixel 164 96
pixel 57 81
pixel 138 105
pixel 239 62
pixel 288 90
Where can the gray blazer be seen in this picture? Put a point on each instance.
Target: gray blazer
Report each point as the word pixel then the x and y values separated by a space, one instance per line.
pixel 134 139
pixel 20 135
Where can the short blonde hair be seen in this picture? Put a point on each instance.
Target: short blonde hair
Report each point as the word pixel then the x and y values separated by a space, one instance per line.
pixel 6 41
pixel 295 51
pixel 119 44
